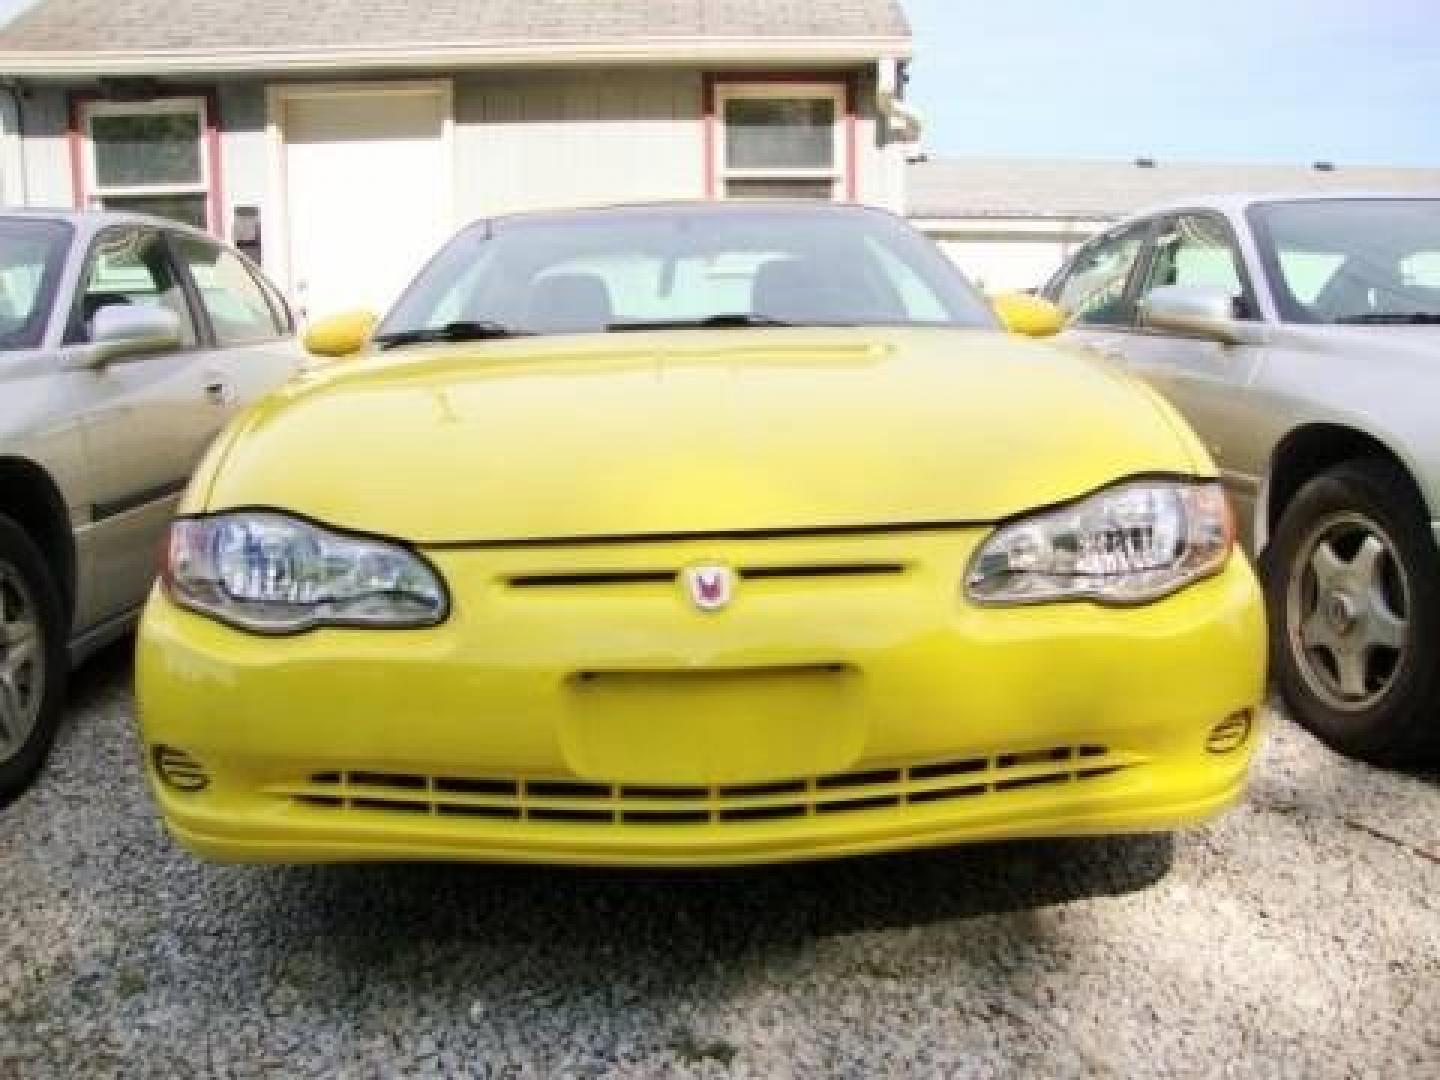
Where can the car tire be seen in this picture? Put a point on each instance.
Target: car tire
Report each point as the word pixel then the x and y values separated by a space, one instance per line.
pixel 33 660
pixel 1352 583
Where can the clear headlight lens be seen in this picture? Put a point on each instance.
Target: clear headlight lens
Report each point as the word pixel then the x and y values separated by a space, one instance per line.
pixel 273 574
pixel 1128 544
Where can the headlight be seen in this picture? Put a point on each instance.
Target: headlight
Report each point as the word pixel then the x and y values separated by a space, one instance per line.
pixel 1128 544
pixel 273 574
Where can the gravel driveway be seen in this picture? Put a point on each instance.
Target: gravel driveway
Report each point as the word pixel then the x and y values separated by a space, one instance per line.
pixel 1297 937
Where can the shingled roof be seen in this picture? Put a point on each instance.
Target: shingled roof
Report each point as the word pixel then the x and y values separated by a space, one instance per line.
pixel 1102 190
pixel 61 29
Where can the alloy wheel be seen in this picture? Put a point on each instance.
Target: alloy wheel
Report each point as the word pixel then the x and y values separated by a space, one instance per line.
pixel 22 663
pixel 1347 612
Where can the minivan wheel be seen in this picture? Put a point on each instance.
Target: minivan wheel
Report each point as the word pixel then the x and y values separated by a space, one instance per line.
pixel 32 660
pixel 1353 586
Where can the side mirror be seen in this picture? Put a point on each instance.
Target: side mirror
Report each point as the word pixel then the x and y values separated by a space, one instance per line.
pixel 1195 311
pixel 1032 316
pixel 340 335
pixel 127 332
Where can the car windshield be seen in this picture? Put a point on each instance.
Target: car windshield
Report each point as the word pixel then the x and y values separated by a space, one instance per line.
pixel 660 268
pixel 32 254
pixel 1360 261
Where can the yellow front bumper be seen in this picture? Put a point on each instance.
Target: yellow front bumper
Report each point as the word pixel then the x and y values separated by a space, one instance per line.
pixel 576 708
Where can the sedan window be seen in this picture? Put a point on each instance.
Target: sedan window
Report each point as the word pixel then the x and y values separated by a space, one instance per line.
pixel 1357 261
pixel 1195 250
pixel 32 254
pixel 130 266
pixel 238 309
pixel 1093 287
pixel 662 268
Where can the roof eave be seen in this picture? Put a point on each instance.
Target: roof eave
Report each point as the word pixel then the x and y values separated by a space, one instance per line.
pixel 634 51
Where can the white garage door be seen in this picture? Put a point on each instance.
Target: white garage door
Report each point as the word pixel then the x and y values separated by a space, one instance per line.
pixel 369 189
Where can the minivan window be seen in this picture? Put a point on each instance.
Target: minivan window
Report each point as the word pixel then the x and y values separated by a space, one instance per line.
pixel 32 255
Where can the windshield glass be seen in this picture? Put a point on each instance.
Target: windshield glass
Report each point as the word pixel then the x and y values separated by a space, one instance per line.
pixel 1352 260
pixel 630 269
pixel 32 253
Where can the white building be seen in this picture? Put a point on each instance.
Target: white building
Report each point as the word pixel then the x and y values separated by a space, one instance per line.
pixel 340 141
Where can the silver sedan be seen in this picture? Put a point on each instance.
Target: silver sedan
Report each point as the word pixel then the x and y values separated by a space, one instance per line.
pixel 126 343
pixel 1300 336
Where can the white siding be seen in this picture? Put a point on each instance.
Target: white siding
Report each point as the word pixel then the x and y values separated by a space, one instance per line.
pixel 534 140
pixel 1001 255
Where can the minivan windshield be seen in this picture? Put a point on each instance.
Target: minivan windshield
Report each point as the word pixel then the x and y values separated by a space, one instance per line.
pixel 654 268
pixel 1358 261
pixel 32 254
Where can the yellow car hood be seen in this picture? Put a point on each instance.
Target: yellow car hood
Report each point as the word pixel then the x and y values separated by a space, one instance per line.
pixel 694 431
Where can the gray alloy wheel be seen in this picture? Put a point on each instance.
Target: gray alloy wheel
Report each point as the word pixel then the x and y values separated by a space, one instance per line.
pixel 22 663
pixel 1347 612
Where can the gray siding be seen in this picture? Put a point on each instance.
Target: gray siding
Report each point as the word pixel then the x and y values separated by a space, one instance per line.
pixel 244 161
pixel 46 151
pixel 530 141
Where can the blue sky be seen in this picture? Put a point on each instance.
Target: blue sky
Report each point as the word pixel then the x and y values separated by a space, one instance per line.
pixel 1354 81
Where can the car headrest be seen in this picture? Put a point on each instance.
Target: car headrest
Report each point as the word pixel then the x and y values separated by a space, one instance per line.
pixel 568 304
pixel 808 290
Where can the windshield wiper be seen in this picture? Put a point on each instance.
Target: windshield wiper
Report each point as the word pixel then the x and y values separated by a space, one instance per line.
pixel 722 321
pixel 459 330
pixel 1392 318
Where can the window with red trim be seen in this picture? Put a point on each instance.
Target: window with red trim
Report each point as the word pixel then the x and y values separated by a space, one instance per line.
pixel 148 157
pixel 780 140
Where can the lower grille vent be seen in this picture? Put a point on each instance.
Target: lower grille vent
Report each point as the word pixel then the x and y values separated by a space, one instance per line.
pixel 582 802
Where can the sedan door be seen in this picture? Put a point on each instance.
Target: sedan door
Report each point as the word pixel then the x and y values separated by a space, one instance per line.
pixel 143 419
pixel 249 331
pixel 1207 380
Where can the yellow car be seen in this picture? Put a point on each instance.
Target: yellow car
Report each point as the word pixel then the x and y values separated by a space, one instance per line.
pixel 696 535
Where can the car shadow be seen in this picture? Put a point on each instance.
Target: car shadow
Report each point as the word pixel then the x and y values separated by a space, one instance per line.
pixel 770 909
pixel 530 946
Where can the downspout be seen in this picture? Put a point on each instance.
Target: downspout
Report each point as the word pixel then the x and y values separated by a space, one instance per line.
pixel 21 195
pixel 899 130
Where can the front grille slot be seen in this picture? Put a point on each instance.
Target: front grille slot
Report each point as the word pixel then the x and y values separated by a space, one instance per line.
pixel 820 570
pixel 949 768
pixel 755 791
pixel 859 779
pixel 580 802
pixel 582 579
pixel 578 581
pixel 763 813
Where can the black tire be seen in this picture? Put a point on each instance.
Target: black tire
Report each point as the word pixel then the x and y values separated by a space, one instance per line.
pixel 1332 634
pixel 22 562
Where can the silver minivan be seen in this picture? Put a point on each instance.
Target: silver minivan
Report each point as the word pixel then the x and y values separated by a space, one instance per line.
pixel 126 343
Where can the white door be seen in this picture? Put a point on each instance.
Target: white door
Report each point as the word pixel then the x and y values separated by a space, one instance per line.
pixel 368 176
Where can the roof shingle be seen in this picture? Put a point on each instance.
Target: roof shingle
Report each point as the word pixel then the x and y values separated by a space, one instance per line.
pixel 94 26
pixel 1100 190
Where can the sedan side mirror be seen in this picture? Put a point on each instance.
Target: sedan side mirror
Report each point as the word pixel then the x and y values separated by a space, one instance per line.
pixel 128 332
pixel 1024 313
pixel 1195 311
pixel 340 335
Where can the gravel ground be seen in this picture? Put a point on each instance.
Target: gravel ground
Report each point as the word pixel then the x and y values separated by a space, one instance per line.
pixel 1297 937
